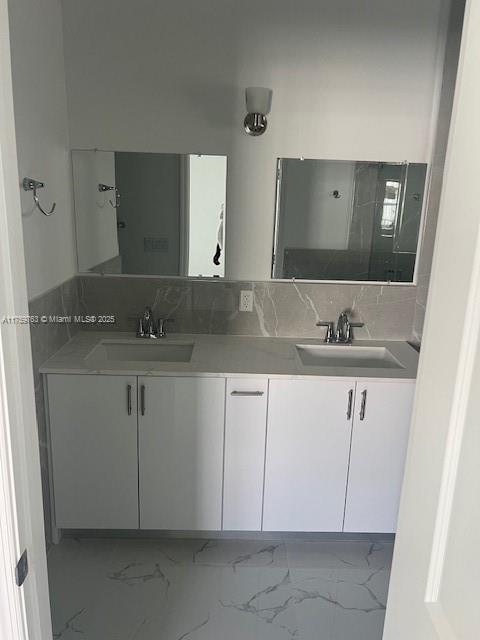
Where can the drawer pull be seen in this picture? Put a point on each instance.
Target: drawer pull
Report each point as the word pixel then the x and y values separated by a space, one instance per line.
pixel 129 399
pixel 350 403
pixel 142 399
pixel 246 394
pixel 364 404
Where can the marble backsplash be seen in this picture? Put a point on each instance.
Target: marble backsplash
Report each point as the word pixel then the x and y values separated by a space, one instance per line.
pixel 281 309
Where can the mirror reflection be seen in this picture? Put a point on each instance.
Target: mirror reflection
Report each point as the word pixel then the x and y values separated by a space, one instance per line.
pixel 150 213
pixel 347 220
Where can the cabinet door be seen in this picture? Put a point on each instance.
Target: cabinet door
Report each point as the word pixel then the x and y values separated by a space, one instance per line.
pixel 308 443
pixel 181 427
pixel 245 428
pixel 379 444
pixel 93 431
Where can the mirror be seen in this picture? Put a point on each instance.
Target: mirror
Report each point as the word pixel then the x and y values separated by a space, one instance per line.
pixel 150 213
pixel 347 220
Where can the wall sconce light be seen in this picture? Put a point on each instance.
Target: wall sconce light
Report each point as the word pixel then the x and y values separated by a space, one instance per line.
pixel 259 103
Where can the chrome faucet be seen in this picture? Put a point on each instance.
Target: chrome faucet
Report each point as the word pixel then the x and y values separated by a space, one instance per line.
pixel 146 325
pixel 148 328
pixel 344 332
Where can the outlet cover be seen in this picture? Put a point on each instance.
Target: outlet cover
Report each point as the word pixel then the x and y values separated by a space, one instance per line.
pixel 246 301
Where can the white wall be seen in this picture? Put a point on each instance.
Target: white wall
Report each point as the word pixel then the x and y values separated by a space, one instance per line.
pixel 42 139
pixel 350 81
pixel 207 195
pixel 96 219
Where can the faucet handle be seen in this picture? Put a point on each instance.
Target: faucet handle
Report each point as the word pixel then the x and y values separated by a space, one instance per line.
pixel 350 327
pixel 330 329
pixel 161 326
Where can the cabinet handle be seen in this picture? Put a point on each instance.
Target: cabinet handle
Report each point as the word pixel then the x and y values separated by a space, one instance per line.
pixel 350 403
pixel 142 399
pixel 363 405
pixel 129 399
pixel 240 394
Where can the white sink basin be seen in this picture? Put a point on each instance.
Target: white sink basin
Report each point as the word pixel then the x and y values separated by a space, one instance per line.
pixel 328 355
pixel 141 351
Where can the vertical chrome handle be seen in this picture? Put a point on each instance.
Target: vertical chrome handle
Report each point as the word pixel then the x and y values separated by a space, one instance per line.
pixel 350 403
pixel 129 399
pixel 142 399
pixel 363 405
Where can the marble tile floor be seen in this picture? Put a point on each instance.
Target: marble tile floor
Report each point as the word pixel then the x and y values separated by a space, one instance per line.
pixel 163 589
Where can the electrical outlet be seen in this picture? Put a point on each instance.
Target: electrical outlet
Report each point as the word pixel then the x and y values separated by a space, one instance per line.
pixel 246 301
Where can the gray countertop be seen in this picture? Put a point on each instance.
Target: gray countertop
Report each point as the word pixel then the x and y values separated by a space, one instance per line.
pixel 221 355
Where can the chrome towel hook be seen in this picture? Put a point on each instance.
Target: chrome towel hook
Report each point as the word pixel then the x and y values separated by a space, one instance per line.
pixel 29 184
pixel 105 187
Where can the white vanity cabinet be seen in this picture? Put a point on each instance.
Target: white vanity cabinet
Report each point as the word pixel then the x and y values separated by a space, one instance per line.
pixel 379 443
pixel 245 429
pixel 180 452
pixel 308 444
pixel 93 434
pixel 207 453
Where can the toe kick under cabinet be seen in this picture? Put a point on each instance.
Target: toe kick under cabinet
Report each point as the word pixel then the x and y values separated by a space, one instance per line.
pixel 238 454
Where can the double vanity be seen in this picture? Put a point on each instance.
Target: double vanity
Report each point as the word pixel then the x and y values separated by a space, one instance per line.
pixel 230 433
pixel 212 433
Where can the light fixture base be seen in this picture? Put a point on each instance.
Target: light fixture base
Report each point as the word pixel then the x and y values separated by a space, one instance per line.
pixel 255 124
